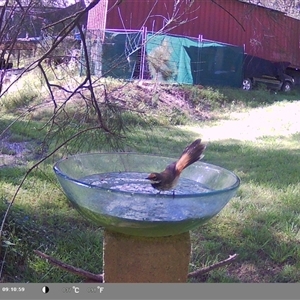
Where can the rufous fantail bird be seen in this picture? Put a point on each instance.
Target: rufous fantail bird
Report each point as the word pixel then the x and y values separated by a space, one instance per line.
pixel 168 179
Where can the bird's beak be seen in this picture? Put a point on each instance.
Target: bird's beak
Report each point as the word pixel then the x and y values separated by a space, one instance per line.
pixel 152 178
pixel 149 177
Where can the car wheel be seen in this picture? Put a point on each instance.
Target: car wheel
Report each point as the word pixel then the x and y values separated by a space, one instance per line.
pixel 247 84
pixel 286 87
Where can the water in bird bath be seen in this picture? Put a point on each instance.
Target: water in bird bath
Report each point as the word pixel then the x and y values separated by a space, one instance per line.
pixel 134 182
pixel 121 201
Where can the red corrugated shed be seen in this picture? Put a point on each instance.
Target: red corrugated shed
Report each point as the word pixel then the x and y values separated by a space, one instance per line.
pixel 265 33
pixel 97 17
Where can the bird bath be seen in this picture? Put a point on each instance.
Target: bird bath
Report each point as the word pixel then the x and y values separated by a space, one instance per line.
pixel 143 228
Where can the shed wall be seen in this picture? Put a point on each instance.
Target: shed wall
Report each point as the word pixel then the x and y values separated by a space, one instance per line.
pixel 264 32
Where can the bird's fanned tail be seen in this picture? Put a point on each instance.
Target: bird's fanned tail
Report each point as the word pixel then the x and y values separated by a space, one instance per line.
pixel 190 154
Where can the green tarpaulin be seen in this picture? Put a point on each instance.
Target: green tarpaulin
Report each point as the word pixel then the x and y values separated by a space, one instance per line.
pixel 172 59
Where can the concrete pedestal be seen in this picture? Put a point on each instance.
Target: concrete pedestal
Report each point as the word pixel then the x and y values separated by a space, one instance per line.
pixel 132 259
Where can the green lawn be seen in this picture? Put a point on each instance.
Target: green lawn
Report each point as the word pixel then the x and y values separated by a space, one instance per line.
pixel 260 143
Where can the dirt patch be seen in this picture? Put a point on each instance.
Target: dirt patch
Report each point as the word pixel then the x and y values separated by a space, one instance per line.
pixel 153 97
pixel 253 273
pixel 13 153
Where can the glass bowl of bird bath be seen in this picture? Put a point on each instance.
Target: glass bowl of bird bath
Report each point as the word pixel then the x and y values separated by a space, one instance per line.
pixel 111 190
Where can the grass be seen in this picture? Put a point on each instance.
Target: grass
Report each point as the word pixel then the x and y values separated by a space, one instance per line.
pixel 262 223
pixel 256 137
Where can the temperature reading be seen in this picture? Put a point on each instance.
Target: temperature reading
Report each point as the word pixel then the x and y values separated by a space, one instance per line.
pixel 74 289
pixel 98 289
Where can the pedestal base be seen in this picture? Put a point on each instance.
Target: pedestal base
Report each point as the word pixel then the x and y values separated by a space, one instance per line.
pixel 145 259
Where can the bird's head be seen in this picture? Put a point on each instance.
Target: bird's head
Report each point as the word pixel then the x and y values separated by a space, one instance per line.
pixel 154 178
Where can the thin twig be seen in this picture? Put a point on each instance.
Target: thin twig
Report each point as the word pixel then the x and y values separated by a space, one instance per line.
pixel 219 264
pixel 230 14
pixel 69 268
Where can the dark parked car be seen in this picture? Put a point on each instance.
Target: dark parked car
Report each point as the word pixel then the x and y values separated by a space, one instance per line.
pixel 285 84
pixel 258 71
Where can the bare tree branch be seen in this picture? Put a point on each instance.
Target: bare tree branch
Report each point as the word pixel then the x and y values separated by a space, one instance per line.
pixel 35 166
pixel 99 277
